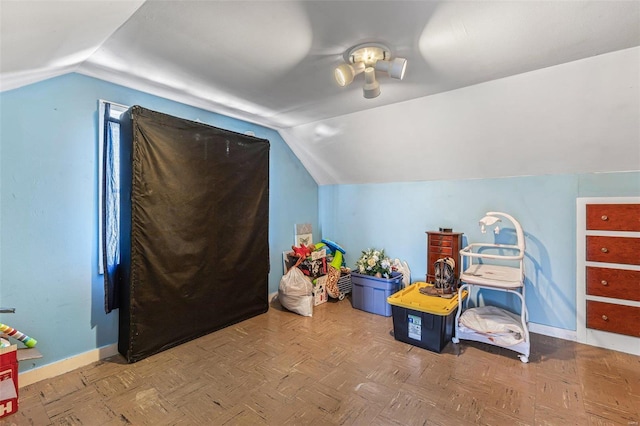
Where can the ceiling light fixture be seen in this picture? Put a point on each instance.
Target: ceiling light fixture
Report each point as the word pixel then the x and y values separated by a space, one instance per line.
pixel 368 58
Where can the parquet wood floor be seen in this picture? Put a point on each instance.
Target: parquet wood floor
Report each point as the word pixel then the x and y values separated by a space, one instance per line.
pixel 340 367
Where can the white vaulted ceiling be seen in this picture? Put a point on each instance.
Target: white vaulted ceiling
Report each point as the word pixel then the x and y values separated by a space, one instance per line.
pixel 505 88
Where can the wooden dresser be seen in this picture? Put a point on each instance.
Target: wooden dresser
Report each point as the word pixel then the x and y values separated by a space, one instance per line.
pixel 439 245
pixel 608 274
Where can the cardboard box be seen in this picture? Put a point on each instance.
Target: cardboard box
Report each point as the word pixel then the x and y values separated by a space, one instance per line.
pixel 8 380
pixel 320 291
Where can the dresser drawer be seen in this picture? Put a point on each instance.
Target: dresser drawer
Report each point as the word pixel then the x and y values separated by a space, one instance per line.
pixel 613 318
pixel 443 251
pixel 613 250
pixel 616 283
pixel 441 240
pixel 613 217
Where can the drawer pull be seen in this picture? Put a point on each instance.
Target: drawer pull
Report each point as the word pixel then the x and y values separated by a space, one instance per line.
pixel 604 250
pixel 606 318
pixel 604 217
pixel 604 282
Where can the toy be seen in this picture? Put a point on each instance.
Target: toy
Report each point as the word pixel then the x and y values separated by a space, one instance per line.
pixel 333 246
pixel 302 251
pixel 333 275
pixel 333 270
pixel 29 342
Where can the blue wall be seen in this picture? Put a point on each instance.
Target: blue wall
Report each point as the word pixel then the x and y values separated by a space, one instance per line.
pixel 48 214
pixel 396 216
pixel 48 208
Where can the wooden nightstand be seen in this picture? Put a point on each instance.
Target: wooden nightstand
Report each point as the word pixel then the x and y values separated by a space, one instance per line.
pixel 443 244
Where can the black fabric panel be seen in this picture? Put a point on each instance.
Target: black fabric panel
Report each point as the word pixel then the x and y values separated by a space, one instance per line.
pixel 197 234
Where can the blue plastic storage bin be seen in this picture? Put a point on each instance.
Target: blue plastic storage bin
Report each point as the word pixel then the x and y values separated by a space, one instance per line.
pixel 370 293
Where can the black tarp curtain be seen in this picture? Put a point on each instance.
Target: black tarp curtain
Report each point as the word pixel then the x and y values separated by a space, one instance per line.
pixel 194 254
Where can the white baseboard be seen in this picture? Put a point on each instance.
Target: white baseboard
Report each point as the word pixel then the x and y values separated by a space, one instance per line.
pixel 66 365
pixel 546 330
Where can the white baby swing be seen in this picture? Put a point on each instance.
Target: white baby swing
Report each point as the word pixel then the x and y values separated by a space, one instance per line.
pixel 501 271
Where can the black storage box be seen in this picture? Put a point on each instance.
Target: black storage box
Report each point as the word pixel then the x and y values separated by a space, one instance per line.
pixel 421 320
pixel 427 331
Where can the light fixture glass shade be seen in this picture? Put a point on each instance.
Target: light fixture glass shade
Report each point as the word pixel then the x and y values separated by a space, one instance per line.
pixel 345 73
pixel 371 87
pixel 395 68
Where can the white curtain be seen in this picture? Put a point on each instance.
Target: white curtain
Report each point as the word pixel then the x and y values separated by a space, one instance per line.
pixel 111 209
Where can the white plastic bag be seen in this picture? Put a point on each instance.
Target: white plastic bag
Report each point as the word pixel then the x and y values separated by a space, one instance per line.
pixel 403 268
pixel 295 292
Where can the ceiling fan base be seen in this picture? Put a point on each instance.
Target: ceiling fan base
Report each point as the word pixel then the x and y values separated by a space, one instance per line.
pixel 367 53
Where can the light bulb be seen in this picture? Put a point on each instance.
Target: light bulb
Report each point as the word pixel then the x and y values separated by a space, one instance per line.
pixel 371 87
pixel 345 73
pixel 395 68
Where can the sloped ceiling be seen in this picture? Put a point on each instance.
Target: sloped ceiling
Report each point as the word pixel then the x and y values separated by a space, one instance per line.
pixel 272 63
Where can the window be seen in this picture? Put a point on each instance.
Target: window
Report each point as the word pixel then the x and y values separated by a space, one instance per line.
pixel 107 127
pixel 109 195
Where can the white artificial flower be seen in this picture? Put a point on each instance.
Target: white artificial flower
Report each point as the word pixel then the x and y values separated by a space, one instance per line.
pixel 374 262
